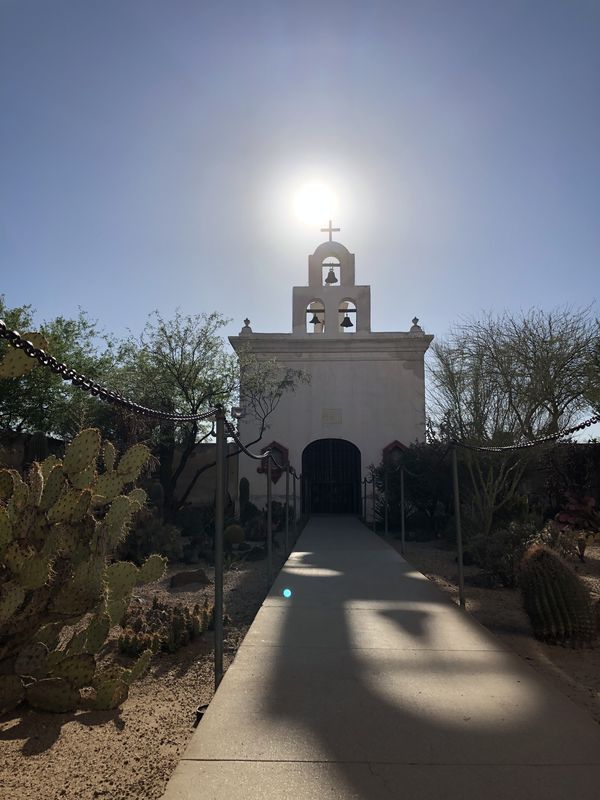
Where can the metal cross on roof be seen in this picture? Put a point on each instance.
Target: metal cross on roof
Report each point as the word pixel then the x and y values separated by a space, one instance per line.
pixel 329 230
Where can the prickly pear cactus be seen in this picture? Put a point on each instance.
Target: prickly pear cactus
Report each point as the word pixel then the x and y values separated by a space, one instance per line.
pixel 555 598
pixel 59 529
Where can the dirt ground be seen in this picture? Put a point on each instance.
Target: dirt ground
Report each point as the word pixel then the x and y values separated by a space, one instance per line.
pixel 575 672
pixel 129 754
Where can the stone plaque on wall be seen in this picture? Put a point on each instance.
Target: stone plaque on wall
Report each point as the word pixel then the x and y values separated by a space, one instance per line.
pixel 331 416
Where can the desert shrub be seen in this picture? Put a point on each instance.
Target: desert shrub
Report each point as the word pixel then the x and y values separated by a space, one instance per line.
pixel 255 529
pixel 568 542
pixel 278 515
pixel 249 512
pixel 500 553
pixel 150 534
pixel 420 527
pixel 579 521
pixel 196 522
pixel 555 598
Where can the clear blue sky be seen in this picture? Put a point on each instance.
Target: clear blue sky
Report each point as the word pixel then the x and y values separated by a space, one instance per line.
pixel 149 151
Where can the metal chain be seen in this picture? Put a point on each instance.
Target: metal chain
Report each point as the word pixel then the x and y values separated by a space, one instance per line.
pixel 255 456
pixel 87 385
pixel 551 437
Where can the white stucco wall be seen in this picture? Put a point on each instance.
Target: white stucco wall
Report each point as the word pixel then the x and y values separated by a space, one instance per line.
pixel 368 391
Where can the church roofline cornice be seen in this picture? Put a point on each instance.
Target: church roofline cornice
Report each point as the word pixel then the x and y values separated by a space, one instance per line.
pixel 354 343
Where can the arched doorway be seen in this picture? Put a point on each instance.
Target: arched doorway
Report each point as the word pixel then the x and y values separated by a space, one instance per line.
pixel 331 473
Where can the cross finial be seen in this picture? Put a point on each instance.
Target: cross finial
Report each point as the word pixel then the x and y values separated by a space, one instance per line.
pixel 329 230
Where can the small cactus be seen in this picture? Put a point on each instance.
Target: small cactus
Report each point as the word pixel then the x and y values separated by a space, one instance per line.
pixel 556 599
pixel 163 627
pixel 233 534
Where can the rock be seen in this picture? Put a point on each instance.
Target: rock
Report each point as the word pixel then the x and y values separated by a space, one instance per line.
pixel 192 576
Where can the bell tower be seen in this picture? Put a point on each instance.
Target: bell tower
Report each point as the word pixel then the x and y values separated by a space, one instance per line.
pixel 365 397
pixel 332 305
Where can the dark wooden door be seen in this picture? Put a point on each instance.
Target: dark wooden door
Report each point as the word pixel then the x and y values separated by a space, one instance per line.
pixel 331 472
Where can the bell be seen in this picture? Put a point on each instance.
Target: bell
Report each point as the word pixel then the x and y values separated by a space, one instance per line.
pixel 346 322
pixel 331 277
pixel 315 320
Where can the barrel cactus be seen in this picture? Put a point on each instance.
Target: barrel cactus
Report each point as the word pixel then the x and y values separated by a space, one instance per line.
pixel 556 599
pixel 233 534
pixel 59 591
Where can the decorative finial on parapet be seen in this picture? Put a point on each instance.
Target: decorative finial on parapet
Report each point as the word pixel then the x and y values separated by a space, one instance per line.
pixel 416 328
pixel 246 329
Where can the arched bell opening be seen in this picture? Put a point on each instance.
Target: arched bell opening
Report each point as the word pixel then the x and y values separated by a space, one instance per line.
pixel 315 317
pixel 331 271
pixel 347 316
pixel 331 477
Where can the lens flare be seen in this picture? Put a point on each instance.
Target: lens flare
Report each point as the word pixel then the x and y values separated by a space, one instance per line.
pixel 287 593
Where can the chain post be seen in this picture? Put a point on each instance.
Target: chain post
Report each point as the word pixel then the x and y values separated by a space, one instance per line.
pixel 459 547
pixel 287 511
pixel 374 515
pixel 295 518
pixel 402 515
pixel 219 522
pixel 385 500
pixel 269 526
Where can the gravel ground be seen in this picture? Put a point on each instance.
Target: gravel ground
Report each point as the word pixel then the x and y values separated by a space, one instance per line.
pixel 575 672
pixel 129 754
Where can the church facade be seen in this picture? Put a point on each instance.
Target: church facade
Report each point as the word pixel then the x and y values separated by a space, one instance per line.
pixel 365 398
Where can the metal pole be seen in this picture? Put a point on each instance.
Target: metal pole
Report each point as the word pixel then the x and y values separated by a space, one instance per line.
pixel 295 518
pixel 385 498
pixel 365 499
pixel 374 517
pixel 286 543
pixel 402 517
pixel 219 521
pixel 459 548
pixel 269 526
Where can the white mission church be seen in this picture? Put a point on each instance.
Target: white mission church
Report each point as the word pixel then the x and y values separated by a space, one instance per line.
pixel 365 399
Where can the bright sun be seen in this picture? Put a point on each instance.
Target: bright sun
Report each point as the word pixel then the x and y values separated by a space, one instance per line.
pixel 315 203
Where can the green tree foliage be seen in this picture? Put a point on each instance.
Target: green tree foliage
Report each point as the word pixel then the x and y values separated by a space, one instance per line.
pixel 42 401
pixel 427 489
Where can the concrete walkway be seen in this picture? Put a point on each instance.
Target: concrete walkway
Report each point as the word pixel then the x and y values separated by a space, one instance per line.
pixel 369 684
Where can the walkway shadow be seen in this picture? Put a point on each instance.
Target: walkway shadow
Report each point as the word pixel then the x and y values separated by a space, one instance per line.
pixel 421 702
